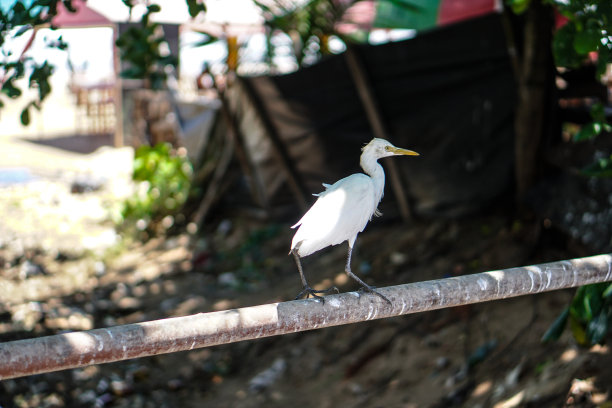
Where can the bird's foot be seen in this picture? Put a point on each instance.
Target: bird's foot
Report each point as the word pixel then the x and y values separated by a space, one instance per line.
pixel 372 289
pixel 308 291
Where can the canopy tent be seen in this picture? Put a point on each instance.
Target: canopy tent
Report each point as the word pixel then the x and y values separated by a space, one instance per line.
pixel 414 14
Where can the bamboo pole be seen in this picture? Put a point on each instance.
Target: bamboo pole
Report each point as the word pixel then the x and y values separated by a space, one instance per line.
pixel 78 349
pixel 237 138
pixel 279 150
pixel 371 107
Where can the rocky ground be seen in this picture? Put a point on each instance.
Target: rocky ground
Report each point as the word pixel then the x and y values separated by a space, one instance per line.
pixel 63 267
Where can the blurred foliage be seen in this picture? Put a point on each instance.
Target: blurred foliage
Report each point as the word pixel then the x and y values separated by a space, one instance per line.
pixel 18 20
pixel 141 50
pixel 601 168
pixel 587 31
pixel 163 177
pixel 589 316
pixel 139 46
pixel 195 7
pixel 206 39
pixel 585 34
pixel 588 28
pixel 599 124
pixel 308 25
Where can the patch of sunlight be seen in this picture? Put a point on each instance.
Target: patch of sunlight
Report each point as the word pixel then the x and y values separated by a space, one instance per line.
pixel 324 284
pixel 599 349
pixel 482 388
pixel 341 279
pixel 511 402
pixel 568 355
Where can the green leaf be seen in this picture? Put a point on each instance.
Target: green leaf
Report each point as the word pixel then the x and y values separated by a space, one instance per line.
pixel 587 132
pixel 597 328
pixel 608 292
pixel 206 39
pixel 588 301
pixel 128 3
pixel 518 6
pixel 195 7
pixel 18 9
pixel 601 168
pixel 11 90
pixel 598 112
pixel 22 30
pixel 40 78
pixel 578 307
pixel 154 8
pixel 604 56
pixel 133 73
pixel 563 47
pixel 578 331
pixel 556 328
pixel 59 43
pixel 594 299
pixel 68 5
pixel 587 40
pixel 593 129
pixel 25 116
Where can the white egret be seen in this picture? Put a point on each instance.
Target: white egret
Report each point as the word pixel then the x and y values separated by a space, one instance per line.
pixel 342 211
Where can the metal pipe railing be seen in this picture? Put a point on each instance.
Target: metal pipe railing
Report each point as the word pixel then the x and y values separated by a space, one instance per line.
pixel 78 349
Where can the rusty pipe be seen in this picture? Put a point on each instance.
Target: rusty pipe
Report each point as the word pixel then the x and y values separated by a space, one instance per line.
pixel 78 349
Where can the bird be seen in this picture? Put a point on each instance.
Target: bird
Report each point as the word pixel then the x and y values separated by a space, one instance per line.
pixel 342 211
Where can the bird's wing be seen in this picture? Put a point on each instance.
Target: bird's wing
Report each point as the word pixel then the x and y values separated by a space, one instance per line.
pixel 340 212
pixel 323 206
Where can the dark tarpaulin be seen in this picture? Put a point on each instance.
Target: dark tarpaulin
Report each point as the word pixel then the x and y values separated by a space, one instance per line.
pixel 448 94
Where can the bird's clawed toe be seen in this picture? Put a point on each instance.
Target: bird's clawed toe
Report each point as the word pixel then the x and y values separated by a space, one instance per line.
pixel 372 289
pixel 307 291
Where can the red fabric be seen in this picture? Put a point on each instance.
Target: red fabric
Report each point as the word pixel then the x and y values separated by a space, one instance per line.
pixel 452 11
pixel 357 17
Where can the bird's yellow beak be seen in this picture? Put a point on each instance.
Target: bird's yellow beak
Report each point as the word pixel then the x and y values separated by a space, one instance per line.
pixel 398 150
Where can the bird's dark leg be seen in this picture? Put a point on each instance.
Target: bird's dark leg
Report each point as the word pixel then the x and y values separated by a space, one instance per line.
pixel 364 285
pixel 306 289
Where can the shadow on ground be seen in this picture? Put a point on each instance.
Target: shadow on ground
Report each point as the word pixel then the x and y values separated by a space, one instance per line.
pixel 83 143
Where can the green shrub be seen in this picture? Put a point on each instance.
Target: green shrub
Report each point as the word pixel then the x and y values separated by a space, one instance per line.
pixel 163 178
pixel 589 315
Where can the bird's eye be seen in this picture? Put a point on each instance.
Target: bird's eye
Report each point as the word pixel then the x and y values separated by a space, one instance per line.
pixel 388 148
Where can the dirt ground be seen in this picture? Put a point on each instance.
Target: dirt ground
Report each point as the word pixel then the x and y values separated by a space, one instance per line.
pixel 62 268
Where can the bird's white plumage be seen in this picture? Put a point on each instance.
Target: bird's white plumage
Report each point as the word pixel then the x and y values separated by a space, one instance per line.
pixel 341 211
pixel 345 207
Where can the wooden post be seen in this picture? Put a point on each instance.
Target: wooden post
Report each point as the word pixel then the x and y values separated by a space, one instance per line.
pixel 366 94
pixel 278 148
pixel 241 153
pixel 118 139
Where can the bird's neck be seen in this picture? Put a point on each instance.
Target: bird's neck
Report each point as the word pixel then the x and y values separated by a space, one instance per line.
pixel 372 168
